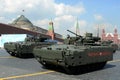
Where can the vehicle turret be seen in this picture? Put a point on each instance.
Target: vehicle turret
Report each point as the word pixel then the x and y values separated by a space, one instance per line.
pixel 35 39
pixel 88 39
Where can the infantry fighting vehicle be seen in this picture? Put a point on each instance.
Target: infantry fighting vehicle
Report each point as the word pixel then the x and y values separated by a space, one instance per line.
pixel 25 48
pixel 76 54
pixel 110 43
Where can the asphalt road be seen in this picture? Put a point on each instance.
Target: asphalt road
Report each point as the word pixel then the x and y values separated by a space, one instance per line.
pixel 12 68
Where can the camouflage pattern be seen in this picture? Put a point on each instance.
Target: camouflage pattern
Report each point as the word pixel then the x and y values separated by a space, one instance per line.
pixel 75 52
pixel 110 43
pixel 25 48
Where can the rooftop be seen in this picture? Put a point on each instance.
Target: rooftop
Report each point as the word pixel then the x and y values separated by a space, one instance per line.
pixel 22 22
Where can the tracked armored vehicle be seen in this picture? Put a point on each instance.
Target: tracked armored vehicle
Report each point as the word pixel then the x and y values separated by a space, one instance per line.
pixel 25 48
pixel 76 54
pixel 110 43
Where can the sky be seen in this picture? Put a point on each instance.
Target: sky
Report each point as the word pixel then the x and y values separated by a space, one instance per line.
pixel 91 14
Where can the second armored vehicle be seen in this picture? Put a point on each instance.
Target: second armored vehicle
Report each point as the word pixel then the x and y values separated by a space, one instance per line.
pixel 76 54
pixel 25 48
pixel 110 43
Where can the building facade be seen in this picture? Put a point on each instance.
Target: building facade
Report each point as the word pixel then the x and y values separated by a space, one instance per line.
pixel 110 36
pixel 22 25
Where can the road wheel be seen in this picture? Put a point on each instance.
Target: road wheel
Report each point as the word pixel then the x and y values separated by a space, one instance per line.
pixel 72 70
pixel 97 66
pixel 37 58
pixel 19 55
pixel 11 53
pixel 101 65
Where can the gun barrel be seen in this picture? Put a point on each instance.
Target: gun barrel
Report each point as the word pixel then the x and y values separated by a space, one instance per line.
pixel 74 33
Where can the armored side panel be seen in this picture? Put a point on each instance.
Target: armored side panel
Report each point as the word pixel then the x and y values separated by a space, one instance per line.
pixel 110 43
pixel 25 48
pixel 70 55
